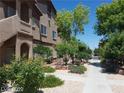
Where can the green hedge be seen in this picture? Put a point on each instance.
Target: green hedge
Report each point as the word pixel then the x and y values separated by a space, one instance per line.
pixel 48 69
pixel 77 69
pixel 51 81
pixel 3 77
pixel 27 74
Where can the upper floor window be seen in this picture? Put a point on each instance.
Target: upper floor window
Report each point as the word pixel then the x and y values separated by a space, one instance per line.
pixel 35 22
pixel 53 14
pixel 54 35
pixel 9 11
pixel 43 30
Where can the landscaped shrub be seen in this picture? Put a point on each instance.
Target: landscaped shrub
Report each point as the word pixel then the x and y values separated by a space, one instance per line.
pixel 51 81
pixel 73 49
pixel 27 74
pixel 77 62
pixel 3 78
pixel 77 69
pixel 43 51
pixel 48 69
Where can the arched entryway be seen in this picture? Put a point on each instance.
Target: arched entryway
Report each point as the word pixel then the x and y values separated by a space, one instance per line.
pixel 25 50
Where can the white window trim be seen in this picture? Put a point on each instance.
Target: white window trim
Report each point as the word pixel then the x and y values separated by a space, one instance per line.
pixel 43 31
pixel 54 38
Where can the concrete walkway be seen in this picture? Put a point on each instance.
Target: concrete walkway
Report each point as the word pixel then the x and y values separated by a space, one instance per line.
pixel 96 82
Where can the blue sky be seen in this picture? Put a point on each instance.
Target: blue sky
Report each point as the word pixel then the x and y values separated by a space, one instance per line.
pixel 89 36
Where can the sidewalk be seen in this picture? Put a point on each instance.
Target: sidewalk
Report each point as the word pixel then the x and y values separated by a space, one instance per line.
pixel 96 82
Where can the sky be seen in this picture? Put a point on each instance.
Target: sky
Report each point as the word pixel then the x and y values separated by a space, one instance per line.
pixel 89 36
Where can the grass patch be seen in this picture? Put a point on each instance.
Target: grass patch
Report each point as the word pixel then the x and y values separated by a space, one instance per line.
pixel 51 81
pixel 48 69
pixel 79 69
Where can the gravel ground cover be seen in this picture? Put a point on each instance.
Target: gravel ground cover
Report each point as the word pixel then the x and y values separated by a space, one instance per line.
pixel 73 83
pixel 117 89
pixel 115 77
pixel 68 87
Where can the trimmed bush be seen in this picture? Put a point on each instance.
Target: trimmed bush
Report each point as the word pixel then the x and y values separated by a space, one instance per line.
pixel 27 74
pixel 77 69
pixel 51 81
pixel 48 69
pixel 43 51
pixel 3 77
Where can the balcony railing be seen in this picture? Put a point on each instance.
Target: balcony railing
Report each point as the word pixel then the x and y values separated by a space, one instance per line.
pixel 8 28
pixel 25 27
pixel 11 26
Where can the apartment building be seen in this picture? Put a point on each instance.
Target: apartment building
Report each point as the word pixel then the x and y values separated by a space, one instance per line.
pixel 23 25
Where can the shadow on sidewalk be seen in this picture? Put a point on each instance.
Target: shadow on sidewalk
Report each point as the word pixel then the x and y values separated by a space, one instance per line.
pixel 96 64
pixel 104 70
pixel 40 91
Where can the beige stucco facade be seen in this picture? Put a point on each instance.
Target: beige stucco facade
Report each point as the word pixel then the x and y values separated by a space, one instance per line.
pixel 19 33
pixel 48 20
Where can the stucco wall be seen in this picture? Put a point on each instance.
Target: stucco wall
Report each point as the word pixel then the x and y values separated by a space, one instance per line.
pixel 8 28
pixel 44 20
pixel 21 39
pixel 7 50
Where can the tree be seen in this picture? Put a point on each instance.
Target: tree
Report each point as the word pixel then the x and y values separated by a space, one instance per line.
pixel 64 22
pixel 62 49
pixel 114 48
pixel 80 18
pixel 84 51
pixel 110 24
pixel 71 22
pixel 110 18
pixel 74 48
pixel 68 48
pixel 96 52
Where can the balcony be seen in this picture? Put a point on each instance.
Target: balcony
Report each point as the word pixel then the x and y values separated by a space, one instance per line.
pixel 25 28
pixel 8 28
pixel 11 26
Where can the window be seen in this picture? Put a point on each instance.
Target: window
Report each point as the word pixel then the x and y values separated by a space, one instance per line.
pixel 49 23
pixel 54 35
pixel 9 11
pixel 53 14
pixel 43 30
pixel 33 21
